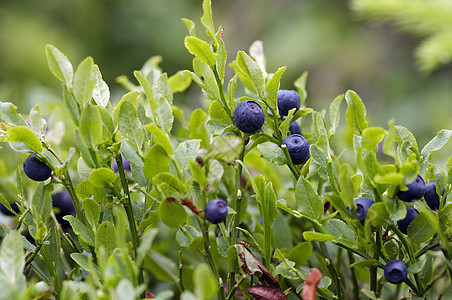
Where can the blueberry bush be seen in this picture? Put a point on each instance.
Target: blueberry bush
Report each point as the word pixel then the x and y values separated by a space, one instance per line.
pixel 130 199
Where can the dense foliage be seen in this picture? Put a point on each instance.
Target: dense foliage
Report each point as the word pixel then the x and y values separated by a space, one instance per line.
pixel 149 186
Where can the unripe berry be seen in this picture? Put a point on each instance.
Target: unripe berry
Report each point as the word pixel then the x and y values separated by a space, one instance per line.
pixel 216 211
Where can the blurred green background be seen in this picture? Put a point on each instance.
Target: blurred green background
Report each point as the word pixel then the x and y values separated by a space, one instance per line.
pixel 325 37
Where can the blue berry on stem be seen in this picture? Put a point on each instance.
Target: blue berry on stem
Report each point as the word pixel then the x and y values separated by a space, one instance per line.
pixel 249 116
pixel 286 100
pixel 411 214
pixel 36 169
pixel 396 271
pixel 295 128
pixel 298 148
pixel 216 211
pixel 431 196
pixel 63 203
pixel 362 206
pixel 416 190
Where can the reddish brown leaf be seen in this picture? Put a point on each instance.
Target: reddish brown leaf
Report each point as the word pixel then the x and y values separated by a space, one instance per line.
pixel 310 284
pixel 265 292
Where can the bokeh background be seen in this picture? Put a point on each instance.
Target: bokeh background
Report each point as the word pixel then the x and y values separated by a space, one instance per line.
pixel 340 47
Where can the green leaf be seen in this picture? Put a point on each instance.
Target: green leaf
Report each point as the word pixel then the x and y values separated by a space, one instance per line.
pixel 37 123
pixel 87 159
pixel 269 203
pixel 403 136
pixel 207 19
pixel 72 105
pixel 82 231
pixel 308 201
pixel 172 213
pixel 41 202
pixel 59 65
pixel 12 260
pixel 179 82
pixel 334 113
pixel 170 179
pixel 91 126
pixel 9 115
pixel 226 148
pixel 198 173
pixel 105 237
pixel 23 139
pixel 319 157
pixel 300 253
pixel 197 127
pixel 201 50
pixel 185 152
pixel 101 92
pixel 317 236
pixel 131 154
pixel 222 55
pixel 272 87
pixel 205 78
pixel 145 244
pixel 272 152
pixel 102 177
pixel 91 210
pixel 87 264
pixel 156 161
pixel 372 136
pixel 300 84
pixel 163 114
pixel 161 266
pixel 160 137
pixel 422 228
pixel 84 81
pixel 205 284
pixel 339 229
pixel 356 112
pixel 217 113
pixel 191 26
pixel 130 125
pixel 365 263
pixel 441 139
pixel 250 69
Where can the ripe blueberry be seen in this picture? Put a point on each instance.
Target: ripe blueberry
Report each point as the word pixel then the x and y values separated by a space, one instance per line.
pixel 63 203
pixel 298 148
pixel 295 128
pixel 411 214
pixel 6 211
pixel 431 196
pixel 216 211
pixel 395 271
pixel 249 116
pixel 287 99
pixel 362 206
pixel 36 169
pixel 125 164
pixel 416 190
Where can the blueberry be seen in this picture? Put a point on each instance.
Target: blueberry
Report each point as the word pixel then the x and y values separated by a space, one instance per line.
pixel 431 196
pixel 125 164
pixel 6 211
pixel 416 190
pixel 411 214
pixel 249 116
pixel 395 271
pixel 298 148
pixel 362 206
pixel 216 211
pixel 63 203
pixel 36 169
pixel 287 99
pixel 295 128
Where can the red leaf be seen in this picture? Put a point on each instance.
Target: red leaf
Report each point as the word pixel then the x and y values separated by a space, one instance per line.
pixel 265 292
pixel 310 284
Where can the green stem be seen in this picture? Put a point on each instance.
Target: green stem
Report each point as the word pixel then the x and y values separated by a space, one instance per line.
pixel 208 255
pixel 290 163
pixel 354 281
pixel 33 255
pixel 222 97
pixel 234 288
pixel 129 212
pixel 180 277
pixel 332 270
